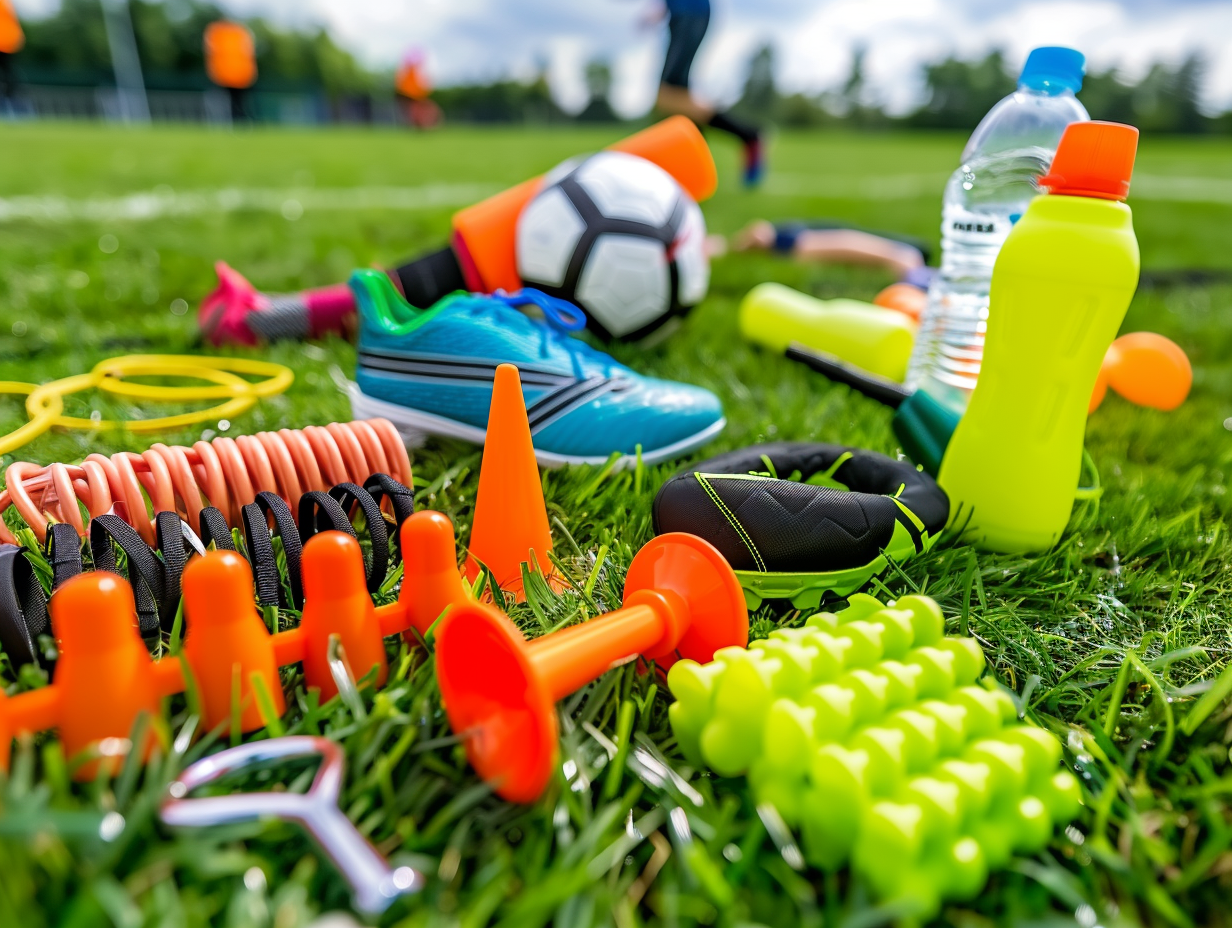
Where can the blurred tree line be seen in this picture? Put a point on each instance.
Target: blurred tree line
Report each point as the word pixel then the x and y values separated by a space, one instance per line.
pixel 958 93
pixel 70 48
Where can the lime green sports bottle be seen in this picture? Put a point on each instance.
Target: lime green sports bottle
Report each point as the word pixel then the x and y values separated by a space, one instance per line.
pixel 1060 289
pixel 871 337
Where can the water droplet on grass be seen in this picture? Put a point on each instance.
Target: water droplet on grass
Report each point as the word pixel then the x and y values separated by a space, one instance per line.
pixel 110 827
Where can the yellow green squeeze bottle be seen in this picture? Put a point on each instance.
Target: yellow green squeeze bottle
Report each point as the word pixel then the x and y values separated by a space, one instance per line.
pixel 1060 289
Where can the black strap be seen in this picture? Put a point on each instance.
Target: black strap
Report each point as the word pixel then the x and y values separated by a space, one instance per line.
pixel 214 528
pixel 145 570
pixel 378 529
pixel 320 512
pixel 261 555
pixel 63 552
pixel 169 535
pixel 401 498
pixel 874 387
pixel 271 505
pixel 23 607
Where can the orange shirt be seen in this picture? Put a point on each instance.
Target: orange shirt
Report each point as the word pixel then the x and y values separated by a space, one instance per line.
pixel 412 82
pixel 230 59
pixel 11 36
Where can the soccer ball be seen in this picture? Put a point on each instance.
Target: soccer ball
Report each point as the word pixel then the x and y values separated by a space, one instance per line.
pixel 618 236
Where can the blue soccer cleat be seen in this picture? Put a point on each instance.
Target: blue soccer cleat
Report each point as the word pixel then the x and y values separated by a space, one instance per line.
pixel 430 372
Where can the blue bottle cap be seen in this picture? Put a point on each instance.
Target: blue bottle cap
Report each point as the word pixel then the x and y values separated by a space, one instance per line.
pixel 1053 69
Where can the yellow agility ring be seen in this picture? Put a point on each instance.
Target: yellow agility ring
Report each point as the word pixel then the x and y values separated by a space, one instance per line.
pixel 45 403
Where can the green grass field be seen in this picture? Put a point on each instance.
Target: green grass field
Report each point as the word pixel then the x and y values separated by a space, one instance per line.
pixel 1109 639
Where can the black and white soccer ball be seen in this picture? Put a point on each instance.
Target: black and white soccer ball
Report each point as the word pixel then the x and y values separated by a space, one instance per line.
pixel 616 235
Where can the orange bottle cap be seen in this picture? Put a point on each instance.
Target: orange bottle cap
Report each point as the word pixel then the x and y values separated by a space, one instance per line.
pixel 1094 159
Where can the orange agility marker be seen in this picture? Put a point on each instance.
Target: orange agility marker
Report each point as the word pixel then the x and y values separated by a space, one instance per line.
pixel 1147 369
pixel 227 643
pixel 681 599
pixel 511 519
pixel 1150 370
pixel 230 57
pixel 431 582
pixel 336 602
pixel 904 298
pixel 105 678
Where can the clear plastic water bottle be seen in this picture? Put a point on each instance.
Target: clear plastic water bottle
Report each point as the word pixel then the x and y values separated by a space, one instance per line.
pixel 1010 148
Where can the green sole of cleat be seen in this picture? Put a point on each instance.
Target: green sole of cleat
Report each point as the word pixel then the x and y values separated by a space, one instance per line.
pixel 805 590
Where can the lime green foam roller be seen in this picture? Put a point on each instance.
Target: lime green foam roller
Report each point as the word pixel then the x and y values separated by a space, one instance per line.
pixel 868 733
pixel 870 337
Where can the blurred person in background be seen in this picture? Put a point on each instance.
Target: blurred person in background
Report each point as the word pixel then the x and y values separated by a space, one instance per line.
pixel 414 88
pixel 11 41
pixel 687 21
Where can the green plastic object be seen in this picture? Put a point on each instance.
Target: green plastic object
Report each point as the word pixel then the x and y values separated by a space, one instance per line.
pixel 1060 288
pixel 924 427
pixel 868 336
pixel 868 733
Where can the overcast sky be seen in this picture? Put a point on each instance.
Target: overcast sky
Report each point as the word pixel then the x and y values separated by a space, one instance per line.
pixel 474 40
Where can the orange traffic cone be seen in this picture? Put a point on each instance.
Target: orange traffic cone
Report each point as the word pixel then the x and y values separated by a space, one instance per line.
pixel 511 519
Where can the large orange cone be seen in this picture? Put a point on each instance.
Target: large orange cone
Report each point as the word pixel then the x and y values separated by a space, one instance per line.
pixel 511 519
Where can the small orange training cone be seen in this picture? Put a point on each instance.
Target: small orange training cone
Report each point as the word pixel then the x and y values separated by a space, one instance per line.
pixel 430 579
pixel 511 519
pixel 227 643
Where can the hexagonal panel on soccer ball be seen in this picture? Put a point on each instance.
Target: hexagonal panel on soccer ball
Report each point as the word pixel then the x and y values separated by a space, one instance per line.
pixel 548 232
pixel 625 283
pixel 624 186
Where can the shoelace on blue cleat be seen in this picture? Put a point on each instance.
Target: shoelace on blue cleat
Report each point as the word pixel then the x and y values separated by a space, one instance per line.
pixel 562 318
pixel 560 314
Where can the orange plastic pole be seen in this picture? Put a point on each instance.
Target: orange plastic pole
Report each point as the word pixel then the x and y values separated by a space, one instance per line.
pixel 681 597
pixel 484 234
pixel 567 660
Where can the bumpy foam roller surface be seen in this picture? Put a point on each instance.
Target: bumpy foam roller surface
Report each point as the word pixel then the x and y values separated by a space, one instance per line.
pixel 868 733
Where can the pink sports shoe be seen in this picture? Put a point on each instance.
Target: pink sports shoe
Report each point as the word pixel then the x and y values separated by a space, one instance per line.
pixel 236 313
pixel 223 316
